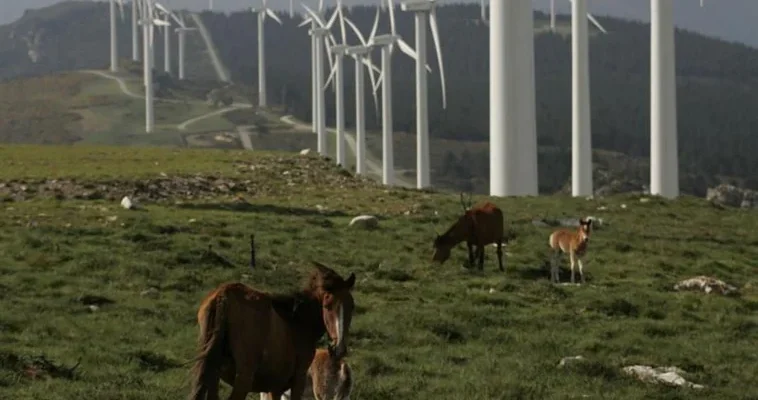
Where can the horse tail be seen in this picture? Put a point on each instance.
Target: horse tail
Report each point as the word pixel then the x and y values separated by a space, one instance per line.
pixel 207 369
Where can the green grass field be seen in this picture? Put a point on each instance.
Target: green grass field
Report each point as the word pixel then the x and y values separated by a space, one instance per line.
pixel 420 332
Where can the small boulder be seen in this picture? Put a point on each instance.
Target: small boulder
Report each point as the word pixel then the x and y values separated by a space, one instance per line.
pixel 305 152
pixel 705 284
pixel 365 222
pixel 671 376
pixel 127 203
pixel 569 360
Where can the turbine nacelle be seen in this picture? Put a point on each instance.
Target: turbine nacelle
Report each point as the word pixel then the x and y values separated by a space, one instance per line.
pixel 383 40
pixel 418 5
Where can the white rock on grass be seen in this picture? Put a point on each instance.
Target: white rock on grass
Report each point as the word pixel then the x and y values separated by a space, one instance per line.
pixel 665 375
pixel 365 222
pixel 305 152
pixel 705 284
pixel 128 204
pixel 569 360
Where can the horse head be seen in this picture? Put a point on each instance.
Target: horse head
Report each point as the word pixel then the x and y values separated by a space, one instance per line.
pixel 335 295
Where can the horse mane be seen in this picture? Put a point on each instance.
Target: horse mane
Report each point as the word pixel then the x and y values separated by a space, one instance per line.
pixel 323 279
pixel 297 308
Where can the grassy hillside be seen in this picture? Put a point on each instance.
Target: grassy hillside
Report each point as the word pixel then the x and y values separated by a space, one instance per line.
pixel 75 275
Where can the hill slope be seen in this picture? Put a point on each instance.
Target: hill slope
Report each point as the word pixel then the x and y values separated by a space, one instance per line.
pixel 715 82
pixel 74 289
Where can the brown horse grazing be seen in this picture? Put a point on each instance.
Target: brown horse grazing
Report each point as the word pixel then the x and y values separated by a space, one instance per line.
pixel 478 226
pixel 331 378
pixel 259 342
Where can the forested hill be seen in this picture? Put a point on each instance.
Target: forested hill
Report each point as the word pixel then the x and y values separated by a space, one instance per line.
pixel 716 79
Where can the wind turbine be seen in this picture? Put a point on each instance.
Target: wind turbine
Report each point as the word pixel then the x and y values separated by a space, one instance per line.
pixel 386 44
pixel 361 53
pixel 314 88
pixel 664 161
pixel 182 32
pixel 114 32
pixel 422 8
pixel 261 15
pixel 581 153
pixel 149 22
pixel 337 73
pixel 166 36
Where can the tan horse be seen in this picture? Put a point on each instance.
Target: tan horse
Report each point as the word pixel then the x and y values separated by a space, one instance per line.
pixel 259 342
pixel 331 378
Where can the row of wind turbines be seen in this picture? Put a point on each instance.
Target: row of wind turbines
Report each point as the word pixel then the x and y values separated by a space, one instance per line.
pixel 513 143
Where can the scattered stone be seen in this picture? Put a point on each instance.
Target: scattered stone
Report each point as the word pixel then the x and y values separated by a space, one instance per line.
pixel 732 196
pixel 365 222
pixel 305 152
pixel 644 199
pixel 569 360
pixel 665 375
pixel 705 284
pixel 151 293
pixel 492 290
pixel 111 218
pixel 126 202
pixel 93 308
pixel 623 206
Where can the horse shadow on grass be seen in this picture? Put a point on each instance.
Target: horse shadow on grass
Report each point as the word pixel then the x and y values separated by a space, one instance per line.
pixel 262 208
pixel 540 272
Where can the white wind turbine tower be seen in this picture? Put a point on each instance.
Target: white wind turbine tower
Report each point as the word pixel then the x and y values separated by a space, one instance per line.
pixel 581 153
pixel 664 161
pixel 421 8
pixel 361 53
pixel 135 30
pixel 261 16
pixel 181 31
pixel 114 32
pixel 149 22
pixel 513 134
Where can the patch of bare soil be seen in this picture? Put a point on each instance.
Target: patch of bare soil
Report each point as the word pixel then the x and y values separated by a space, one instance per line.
pixel 272 176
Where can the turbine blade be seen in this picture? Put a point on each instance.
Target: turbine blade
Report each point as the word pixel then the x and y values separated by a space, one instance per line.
pixel 315 16
pixel 436 36
pixel 379 81
pixel 331 76
pixel 376 25
pixel 357 31
pixel 331 20
pixel 407 49
pixel 329 51
pixel 342 23
pixel 305 22
pixel 367 62
pixel 320 6
pixel 273 15
pixel 597 24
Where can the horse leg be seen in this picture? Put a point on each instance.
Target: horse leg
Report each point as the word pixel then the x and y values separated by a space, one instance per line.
pixel 581 269
pixel 480 251
pixel 554 267
pixel 298 386
pixel 500 254
pixel 470 253
pixel 572 256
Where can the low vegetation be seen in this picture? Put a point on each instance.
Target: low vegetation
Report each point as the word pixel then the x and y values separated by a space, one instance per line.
pixel 100 302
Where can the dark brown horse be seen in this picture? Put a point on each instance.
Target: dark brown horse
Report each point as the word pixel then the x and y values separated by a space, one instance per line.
pixel 478 226
pixel 259 342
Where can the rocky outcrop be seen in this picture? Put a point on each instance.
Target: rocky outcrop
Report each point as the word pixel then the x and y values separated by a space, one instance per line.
pixel 732 196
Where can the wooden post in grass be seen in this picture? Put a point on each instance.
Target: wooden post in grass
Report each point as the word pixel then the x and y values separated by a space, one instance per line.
pixel 252 251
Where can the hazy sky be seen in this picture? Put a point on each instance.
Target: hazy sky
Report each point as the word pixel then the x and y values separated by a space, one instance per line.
pixel 729 19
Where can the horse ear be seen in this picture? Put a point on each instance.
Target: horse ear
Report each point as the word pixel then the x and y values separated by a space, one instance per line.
pixel 350 281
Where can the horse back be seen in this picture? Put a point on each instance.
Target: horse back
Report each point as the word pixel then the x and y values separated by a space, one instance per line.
pixel 487 223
